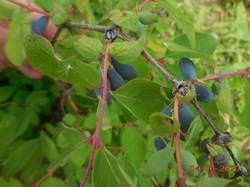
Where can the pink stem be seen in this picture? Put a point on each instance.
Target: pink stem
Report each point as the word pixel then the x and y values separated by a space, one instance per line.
pixel 95 138
pixel 244 73
pixel 31 8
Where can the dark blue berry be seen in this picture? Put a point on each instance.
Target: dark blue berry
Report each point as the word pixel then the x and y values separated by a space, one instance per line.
pixel 220 160
pixel 167 110
pixel 187 68
pixel 159 143
pixel 116 81
pixel 203 94
pixel 38 26
pixel 127 71
pixel 186 117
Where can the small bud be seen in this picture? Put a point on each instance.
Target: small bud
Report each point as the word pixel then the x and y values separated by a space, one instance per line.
pixel 223 138
pixel 220 160
pixel 241 170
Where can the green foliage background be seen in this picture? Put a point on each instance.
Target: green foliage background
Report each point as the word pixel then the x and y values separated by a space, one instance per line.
pixel 38 134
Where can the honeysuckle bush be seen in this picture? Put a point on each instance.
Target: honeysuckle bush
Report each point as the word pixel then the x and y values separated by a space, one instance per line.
pixel 48 127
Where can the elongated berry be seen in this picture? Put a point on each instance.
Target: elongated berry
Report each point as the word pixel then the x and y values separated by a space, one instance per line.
pixel 203 94
pixel 186 117
pixel 116 81
pixel 127 71
pixel 39 25
pixel 187 68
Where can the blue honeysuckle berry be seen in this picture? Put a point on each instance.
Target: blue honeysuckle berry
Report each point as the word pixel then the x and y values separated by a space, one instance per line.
pixel 203 94
pixel 220 160
pixel 187 68
pixel 186 116
pixel 116 81
pixel 39 25
pixel 159 143
pixel 127 71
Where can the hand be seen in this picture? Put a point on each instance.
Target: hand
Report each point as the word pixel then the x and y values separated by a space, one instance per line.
pixel 48 31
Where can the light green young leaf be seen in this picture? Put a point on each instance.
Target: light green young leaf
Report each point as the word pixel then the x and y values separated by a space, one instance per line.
pixel 244 117
pixel 194 132
pixel 158 162
pixel 127 20
pixel 205 44
pixel 137 94
pixel 7 9
pixel 241 23
pixel 162 125
pixel 89 48
pixel 42 56
pixel 108 173
pixel 224 101
pixel 19 28
pixel 127 52
pixel 134 146
pixel 181 19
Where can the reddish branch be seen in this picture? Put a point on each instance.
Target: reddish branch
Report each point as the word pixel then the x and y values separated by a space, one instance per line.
pixel 43 178
pixel 31 8
pixel 243 73
pixel 141 6
pixel 211 168
pixel 177 141
pixel 95 138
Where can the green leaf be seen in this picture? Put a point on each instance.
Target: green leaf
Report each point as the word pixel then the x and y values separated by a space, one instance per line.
pixel 241 23
pixel 137 94
pixel 212 181
pixel 224 100
pixel 7 9
pixel 48 147
pixel 20 157
pixel 244 117
pixel 69 119
pixel 134 146
pixel 89 48
pixel 127 20
pixel 53 182
pixel 194 132
pixel 10 182
pixel 42 56
pixel 188 162
pixel 6 92
pixel 108 173
pixel 158 162
pixel 65 155
pixel 19 28
pixel 162 125
pixel 47 5
pixel 127 52
pixel 205 44
pixel 181 19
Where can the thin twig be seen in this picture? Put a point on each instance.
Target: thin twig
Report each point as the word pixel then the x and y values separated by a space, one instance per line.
pixel 98 28
pixel 31 8
pixel 141 6
pixel 44 177
pixel 95 138
pixel 205 115
pixel 244 73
